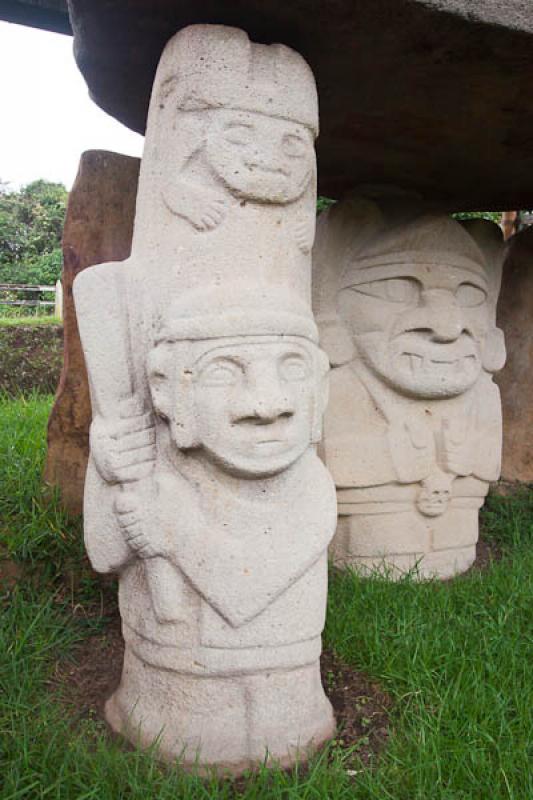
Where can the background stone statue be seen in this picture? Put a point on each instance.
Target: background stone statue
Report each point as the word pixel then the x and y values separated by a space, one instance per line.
pixel 204 490
pixel 406 306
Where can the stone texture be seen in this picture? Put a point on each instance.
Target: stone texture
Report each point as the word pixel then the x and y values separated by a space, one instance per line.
pixel 413 92
pixel 406 304
pixel 98 227
pixel 515 317
pixel 204 490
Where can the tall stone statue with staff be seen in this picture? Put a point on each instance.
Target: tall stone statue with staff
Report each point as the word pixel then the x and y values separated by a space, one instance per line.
pixel 204 491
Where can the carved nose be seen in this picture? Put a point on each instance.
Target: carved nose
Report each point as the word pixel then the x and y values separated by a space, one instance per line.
pixel 265 405
pixel 444 316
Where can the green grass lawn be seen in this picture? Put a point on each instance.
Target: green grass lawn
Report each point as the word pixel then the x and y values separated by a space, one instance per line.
pixel 29 321
pixel 456 658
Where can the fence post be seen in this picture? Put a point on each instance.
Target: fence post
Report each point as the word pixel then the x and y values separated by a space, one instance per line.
pixel 58 310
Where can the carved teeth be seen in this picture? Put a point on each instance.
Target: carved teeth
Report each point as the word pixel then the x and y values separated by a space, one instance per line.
pixel 415 362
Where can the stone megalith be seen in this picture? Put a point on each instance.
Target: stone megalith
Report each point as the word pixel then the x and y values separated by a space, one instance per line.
pixel 98 228
pixel 515 317
pixel 204 491
pixel 406 307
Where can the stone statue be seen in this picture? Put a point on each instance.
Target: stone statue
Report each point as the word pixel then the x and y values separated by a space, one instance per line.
pixel 406 308
pixel 204 491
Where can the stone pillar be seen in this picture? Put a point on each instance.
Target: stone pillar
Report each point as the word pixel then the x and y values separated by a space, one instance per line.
pixel 515 317
pixel 509 223
pixel 405 303
pixel 204 491
pixel 98 227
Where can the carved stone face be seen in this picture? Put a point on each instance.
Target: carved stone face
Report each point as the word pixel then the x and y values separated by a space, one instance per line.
pixel 419 328
pixel 254 404
pixel 259 157
pixel 435 494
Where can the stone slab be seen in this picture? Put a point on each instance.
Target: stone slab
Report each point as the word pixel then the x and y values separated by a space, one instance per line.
pixel 427 94
pixel 98 227
pixel 515 317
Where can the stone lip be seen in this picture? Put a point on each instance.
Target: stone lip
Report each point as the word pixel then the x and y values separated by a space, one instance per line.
pixel 424 94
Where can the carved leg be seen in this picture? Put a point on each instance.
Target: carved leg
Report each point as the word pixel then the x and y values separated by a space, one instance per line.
pixel 229 722
pixel 189 717
pixel 288 714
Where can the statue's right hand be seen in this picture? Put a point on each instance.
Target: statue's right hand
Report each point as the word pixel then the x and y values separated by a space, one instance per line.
pixel 123 448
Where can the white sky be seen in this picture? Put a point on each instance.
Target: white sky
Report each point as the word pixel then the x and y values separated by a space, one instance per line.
pixel 47 118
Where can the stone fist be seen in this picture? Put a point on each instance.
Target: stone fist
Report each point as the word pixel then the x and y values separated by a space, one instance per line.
pixel 123 447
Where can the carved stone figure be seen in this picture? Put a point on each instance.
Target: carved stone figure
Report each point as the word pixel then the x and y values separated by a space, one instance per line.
pixel 204 490
pixel 406 307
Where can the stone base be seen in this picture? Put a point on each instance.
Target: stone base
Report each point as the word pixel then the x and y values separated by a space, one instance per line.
pixel 406 542
pixel 230 724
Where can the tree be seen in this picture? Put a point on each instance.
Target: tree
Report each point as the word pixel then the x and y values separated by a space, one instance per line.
pixel 31 226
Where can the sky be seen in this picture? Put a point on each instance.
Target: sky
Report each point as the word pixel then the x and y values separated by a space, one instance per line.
pixel 47 116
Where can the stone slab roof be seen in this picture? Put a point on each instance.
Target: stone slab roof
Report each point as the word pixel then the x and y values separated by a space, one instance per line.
pixel 429 95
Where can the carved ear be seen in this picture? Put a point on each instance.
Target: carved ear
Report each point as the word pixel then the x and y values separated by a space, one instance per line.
pixel 172 395
pixel 489 238
pixel 335 339
pixel 494 353
pixel 160 381
pixel 321 396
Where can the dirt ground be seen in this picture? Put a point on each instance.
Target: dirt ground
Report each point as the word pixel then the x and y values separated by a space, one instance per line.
pixel 30 358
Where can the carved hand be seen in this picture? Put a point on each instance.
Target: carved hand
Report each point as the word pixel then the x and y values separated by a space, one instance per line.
pixel 458 449
pixel 412 450
pixel 200 206
pixel 123 447
pixel 305 234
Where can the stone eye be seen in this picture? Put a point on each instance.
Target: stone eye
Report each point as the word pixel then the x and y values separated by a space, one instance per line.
pixel 239 134
pixel 470 296
pixel 294 145
pixel 294 368
pixel 220 373
pixel 396 290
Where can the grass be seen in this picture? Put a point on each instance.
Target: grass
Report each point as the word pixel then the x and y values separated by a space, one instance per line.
pixel 33 320
pixel 455 657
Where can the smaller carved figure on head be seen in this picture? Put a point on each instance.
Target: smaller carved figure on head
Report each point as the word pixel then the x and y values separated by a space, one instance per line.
pixel 238 135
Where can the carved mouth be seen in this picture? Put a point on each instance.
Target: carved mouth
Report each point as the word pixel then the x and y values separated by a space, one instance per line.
pixel 419 364
pixel 268 170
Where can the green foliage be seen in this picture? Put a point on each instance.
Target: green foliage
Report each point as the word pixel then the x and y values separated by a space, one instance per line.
pixel 31 226
pixel 322 203
pixel 492 216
